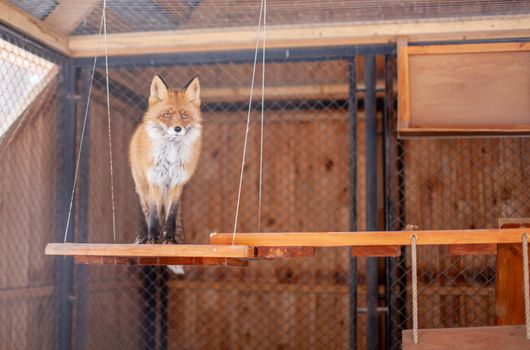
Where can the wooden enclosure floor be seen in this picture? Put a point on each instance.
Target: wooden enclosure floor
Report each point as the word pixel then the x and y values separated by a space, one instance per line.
pixel 471 338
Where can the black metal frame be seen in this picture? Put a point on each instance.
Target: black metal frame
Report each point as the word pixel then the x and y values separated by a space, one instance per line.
pixel 352 111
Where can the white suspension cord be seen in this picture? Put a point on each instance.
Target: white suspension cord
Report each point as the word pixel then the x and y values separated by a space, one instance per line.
pixel 248 124
pixel 83 129
pixel 414 259
pixel 111 168
pixel 262 112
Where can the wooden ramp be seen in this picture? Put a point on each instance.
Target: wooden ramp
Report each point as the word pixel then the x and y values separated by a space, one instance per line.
pixel 471 338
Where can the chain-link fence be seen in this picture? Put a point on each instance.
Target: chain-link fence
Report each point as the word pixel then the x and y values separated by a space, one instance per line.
pixel 451 183
pixel 286 304
pixel 31 98
pixel 314 180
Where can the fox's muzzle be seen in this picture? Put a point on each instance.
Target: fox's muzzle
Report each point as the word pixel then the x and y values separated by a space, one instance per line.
pixel 177 131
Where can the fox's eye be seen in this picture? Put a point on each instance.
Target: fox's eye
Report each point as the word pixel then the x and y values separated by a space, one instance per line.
pixel 167 115
pixel 184 115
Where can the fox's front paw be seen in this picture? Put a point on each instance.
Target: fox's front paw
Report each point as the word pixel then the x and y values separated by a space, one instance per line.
pixel 140 239
pixel 152 241
pixel 169 240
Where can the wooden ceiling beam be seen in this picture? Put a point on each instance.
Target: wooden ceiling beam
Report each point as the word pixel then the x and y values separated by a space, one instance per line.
pixel 229 39
pixel 33 27
pixel 68 14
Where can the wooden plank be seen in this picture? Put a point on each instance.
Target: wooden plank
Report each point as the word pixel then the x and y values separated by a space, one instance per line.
pixel 317 35
pixel 392 250
pixel 514 222
pixel 17 294
pixel 509 295
pixel 373 238
pixel 403 84
pixel 149 250
pixel 33 27
pixel 68 14
pixel 502 337
pixel 142 261
pixel 483 89
pixel 284 252
pixel 468 48
pixel 473 249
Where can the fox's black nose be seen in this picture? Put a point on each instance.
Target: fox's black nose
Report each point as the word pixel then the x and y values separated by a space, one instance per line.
pixel 178 128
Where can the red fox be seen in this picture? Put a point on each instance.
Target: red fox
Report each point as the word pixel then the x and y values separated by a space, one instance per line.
pixel 164 152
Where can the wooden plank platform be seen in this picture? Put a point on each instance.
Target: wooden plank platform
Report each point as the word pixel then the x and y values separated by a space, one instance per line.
pixel 155 261
pixel 149 250
pixel 472 338
pixel 373 238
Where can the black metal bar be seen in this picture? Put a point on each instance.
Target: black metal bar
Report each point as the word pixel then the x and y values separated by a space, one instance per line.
pixel 372 320
pixel 148 293
pixel 389 168
pixel 67 143
pixel 83 223
pixel 164 301
pixel 243 56
pixel 352 112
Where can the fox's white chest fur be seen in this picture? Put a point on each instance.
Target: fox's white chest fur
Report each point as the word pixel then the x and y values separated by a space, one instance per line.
pixel 171 156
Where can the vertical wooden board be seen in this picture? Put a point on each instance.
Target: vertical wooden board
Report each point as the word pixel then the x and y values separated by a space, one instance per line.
pixel 28 164
pixel 509 295
pixel 206 185
pixel 509 300
pixel 112 329
pixel 39 334
pixel 14 333
pixel 361 177
pixel 306 322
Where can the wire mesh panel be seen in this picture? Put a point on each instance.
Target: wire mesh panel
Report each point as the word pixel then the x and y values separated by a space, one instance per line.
pixel 455 183
pixel 30 110
pixel 288 303
pixel 150 15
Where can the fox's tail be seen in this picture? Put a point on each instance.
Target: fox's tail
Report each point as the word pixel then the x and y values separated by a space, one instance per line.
pixel 176 269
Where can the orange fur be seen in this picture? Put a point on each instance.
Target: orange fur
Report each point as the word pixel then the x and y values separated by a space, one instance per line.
pixel 165 149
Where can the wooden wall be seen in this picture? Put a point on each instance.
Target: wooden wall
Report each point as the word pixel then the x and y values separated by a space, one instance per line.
pixel 462 184
pixel 296 303
pixel 28 213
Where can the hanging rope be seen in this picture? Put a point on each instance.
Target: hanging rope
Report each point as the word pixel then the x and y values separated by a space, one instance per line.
pixel 111 168
pixel 262 112
pixel 248 122
pixel 526 284
pixel 83 129
pixel 414 289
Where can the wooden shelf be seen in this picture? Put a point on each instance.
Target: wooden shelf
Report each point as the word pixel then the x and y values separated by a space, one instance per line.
pixel 374 238
pixel 149 250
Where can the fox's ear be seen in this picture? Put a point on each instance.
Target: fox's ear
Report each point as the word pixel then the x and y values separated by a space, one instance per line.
pixel 158 90
pixel 193 90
